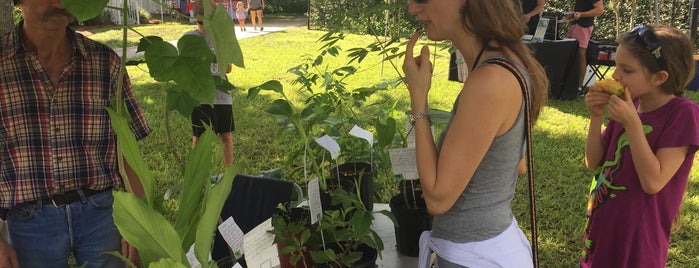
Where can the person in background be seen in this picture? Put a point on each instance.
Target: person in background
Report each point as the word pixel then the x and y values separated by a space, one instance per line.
pixel 58 156
pixel 584 13
pixel 219 113
pixel 531 10
pixel 469 177
pixel 241 13
pixel 256 7
pixel 643 157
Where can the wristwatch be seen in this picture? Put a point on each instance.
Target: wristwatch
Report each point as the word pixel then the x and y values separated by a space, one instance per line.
pixel 416 116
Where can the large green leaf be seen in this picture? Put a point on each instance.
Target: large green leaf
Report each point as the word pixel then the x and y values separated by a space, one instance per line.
pixel 218 25
pixel 129 147
pixel 181 101
pixel 196 177
pixel 272 85
pixel 215 198
pixel 146 229
pixel 193 69
pixel 190 68
pixel 167 263
pixel 161 58
pixel 84 9
pixel 280 107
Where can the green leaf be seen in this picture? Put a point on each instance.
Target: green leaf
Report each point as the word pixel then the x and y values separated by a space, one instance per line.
pixel 218 25
pixel 196 177
pixel 167 263
pixel 84 9
pixel 192 71
pixel 323 256
pixel 280 107
pixel 215 198
pixel 182 102
pixel 161 58
pixel 146 41
pixel 146 229
pixel 361 221
pixel 129 147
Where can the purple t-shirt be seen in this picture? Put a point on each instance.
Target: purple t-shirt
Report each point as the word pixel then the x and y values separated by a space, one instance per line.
pixel 627 227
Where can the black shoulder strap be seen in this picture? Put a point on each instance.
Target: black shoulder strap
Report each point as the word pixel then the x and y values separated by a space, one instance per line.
pixel 530 166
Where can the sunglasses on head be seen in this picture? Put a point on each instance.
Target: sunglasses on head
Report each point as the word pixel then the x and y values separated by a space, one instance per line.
pixel 420 1
pixel 649 41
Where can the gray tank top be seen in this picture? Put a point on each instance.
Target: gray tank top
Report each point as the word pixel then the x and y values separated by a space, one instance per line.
pixel 483 209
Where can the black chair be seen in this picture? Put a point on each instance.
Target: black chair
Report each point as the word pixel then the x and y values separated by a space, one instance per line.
pixel 252 201
pixel 600 58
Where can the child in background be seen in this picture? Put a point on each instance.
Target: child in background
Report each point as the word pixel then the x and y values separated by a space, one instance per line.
pixel 241 13
pixel 644 155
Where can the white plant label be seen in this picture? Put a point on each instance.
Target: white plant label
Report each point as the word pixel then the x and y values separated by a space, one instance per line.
pixel 362 134
pixel 231 232
pixel 329 144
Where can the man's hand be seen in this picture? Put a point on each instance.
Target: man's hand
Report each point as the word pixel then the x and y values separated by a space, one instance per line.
pixel 130 252
pixel 8 257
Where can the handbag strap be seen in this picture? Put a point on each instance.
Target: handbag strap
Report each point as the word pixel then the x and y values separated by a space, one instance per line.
pixel 530 165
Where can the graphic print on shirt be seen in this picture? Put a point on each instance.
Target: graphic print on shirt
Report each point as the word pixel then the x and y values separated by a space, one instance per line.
pixel 602 188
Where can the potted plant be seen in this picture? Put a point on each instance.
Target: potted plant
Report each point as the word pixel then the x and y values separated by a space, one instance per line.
pixel 349 239
pixel 411 214
pixel 295 236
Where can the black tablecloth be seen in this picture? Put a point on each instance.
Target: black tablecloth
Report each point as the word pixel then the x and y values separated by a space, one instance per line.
pixel 560 60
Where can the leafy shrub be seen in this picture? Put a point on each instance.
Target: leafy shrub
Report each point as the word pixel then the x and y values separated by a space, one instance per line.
pixel 286 6
pixel 105 18
pixel 143 15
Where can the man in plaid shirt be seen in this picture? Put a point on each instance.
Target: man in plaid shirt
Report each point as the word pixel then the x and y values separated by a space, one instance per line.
pixel 58 160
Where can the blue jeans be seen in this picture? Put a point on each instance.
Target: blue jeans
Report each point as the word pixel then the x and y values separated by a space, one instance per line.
pixel 44 235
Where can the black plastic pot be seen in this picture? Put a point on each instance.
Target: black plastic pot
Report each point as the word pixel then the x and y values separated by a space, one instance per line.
pixel 410 212
pixel 361 172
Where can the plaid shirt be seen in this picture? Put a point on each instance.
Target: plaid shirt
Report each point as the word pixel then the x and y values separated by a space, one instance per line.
pixel 55 139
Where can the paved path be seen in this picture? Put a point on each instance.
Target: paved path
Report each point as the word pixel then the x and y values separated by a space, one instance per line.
pixel 271 25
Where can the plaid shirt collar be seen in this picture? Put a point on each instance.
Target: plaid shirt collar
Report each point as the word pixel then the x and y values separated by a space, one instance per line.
pixel 18 36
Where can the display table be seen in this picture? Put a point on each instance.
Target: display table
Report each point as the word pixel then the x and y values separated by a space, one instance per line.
pixel 560 60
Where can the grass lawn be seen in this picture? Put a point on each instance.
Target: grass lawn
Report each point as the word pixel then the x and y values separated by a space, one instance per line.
pixel 559 138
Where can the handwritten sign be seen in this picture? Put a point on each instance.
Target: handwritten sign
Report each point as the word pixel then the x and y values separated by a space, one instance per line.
pixel 329 144
pixel 231 232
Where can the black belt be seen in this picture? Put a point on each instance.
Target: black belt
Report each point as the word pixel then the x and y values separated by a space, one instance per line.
pixel 70 196
pixel 60 199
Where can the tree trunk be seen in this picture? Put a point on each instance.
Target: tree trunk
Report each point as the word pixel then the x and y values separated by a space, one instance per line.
pixel 6 18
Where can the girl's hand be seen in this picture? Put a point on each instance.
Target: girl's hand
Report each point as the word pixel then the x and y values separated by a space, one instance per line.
pixel 622 109
pixel 596 99
pixel 418 70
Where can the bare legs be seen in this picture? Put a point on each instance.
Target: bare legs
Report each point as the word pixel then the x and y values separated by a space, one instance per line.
pixel 227 142
pixel 256 15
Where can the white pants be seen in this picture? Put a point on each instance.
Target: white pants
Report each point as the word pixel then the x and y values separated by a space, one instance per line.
pixel 508 249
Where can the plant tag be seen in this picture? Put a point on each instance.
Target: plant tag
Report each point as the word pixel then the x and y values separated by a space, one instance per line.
pixel 192 259
pixel 403 162
pixel 329 144
pixel 230 231
pixel 314 200
pixel 258 246
pixel 362 134
pixel 410 139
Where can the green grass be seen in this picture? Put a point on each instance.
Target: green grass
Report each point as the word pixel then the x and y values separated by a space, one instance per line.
pixel 559 138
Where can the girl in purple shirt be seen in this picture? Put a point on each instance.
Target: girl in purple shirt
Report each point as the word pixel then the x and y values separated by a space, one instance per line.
pixel 643 157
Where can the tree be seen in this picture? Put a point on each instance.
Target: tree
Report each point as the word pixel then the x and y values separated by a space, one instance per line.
pixel 6 21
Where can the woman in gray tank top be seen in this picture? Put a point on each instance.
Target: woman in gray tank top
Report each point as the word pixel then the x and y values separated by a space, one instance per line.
pixel 469 178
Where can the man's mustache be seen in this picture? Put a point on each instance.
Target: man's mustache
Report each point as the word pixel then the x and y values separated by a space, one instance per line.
pixel 56 11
